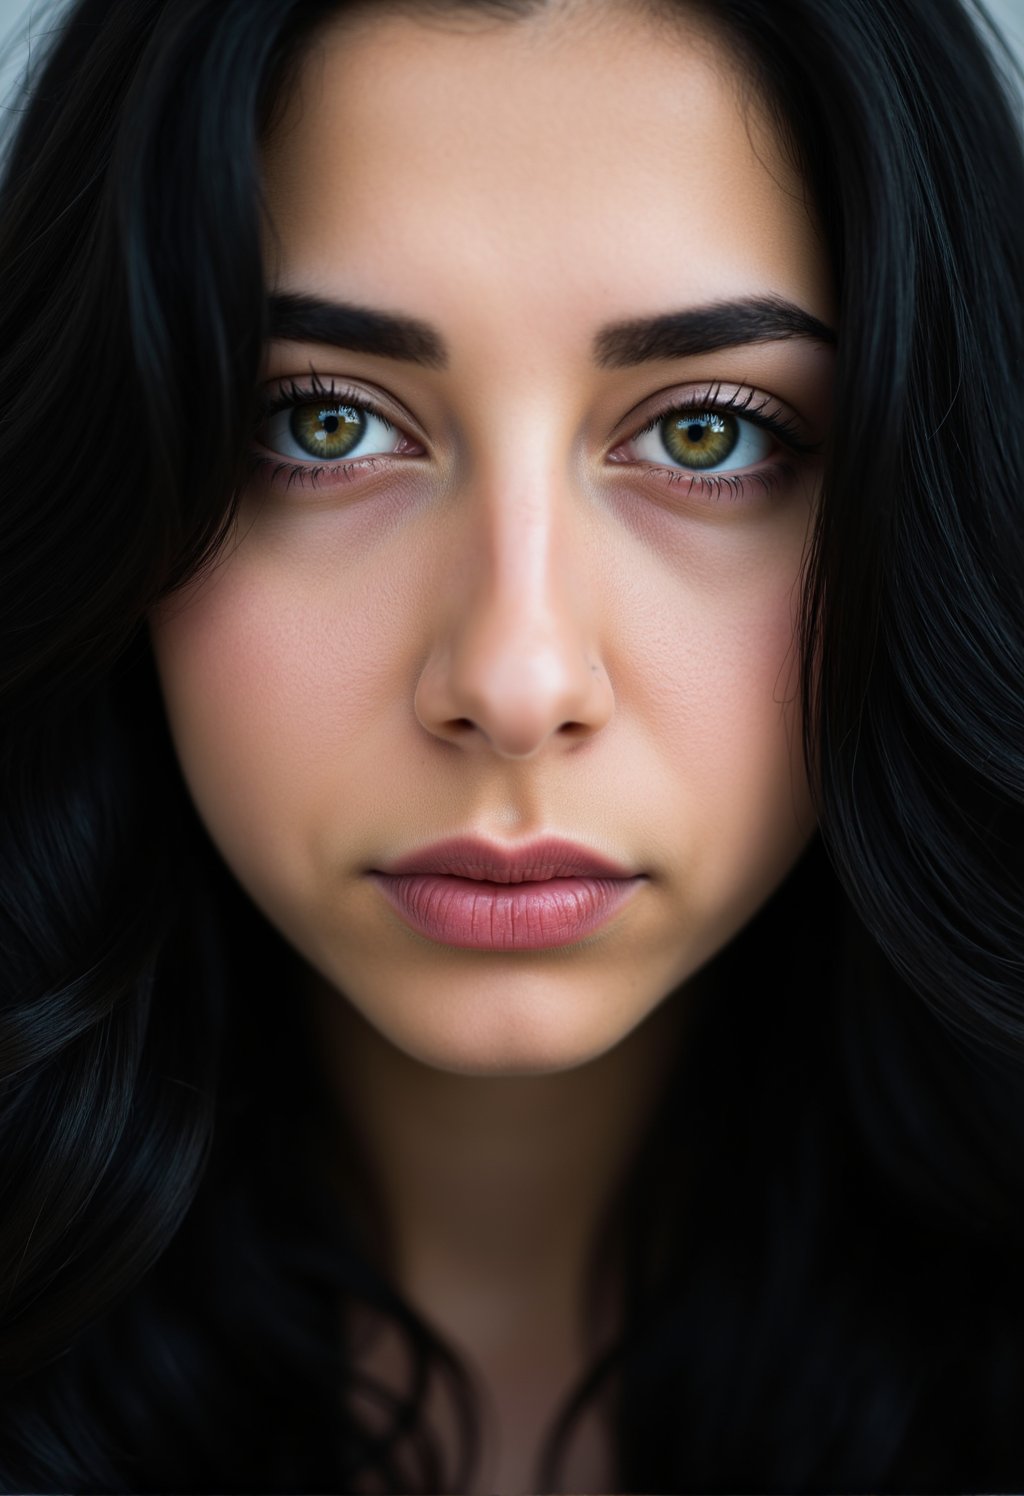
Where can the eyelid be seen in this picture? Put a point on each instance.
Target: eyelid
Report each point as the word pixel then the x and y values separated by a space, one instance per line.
pixel 292 390
pixel 753 405
pixel 742 400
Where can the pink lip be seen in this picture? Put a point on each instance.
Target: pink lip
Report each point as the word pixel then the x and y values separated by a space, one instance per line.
pixel 479 895
pixel 472 857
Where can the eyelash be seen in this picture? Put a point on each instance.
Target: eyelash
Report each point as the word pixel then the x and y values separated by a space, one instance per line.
pixel 715 486
pixel 309 474
pixel 766 415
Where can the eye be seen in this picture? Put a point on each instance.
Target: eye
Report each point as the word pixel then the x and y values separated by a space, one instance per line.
pixel 703 441
pixel 328 430
pixel 720 443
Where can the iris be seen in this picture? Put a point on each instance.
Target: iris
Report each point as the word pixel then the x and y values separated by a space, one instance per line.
pixel 327 432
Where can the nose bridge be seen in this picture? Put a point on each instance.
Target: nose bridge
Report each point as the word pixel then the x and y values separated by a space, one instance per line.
pixel 521 523
pixel 520 661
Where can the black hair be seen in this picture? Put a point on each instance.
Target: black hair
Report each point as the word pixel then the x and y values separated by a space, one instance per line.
pixel 825 1226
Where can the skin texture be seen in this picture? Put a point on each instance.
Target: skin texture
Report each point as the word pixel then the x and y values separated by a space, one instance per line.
pixel 512 625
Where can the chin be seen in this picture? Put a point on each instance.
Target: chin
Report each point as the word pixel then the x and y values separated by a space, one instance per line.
pixel 507 1041
pixel 489 1025
pixel 513 1059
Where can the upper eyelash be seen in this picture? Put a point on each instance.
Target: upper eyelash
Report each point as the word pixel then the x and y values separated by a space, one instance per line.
pixel 292 394
pixel 786 429
pixel 765 415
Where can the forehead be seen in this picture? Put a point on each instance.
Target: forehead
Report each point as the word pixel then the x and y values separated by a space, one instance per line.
pixel 570 165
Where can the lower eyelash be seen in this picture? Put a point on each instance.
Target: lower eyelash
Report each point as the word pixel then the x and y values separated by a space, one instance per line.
pixel 729 486
pixel 310 475
pixel 717 486
pixel 305 474
pixel 714 486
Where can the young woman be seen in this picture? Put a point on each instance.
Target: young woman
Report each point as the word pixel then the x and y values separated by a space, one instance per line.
pixel 512 742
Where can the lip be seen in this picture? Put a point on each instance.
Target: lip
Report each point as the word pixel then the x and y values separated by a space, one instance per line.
pixel 480 895
pixel 491 862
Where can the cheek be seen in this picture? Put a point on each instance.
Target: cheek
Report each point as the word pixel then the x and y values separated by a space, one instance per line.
pixel 722 686
pixel 743 736
pixel 269 691
pixel 750 765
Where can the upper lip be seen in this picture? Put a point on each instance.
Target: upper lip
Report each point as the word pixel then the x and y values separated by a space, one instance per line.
pixel 492 862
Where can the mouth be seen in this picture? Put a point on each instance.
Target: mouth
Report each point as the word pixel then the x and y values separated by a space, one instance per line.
pixel 478 895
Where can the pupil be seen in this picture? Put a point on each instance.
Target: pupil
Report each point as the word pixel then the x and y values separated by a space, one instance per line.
pixel 330 424
pixel 695 432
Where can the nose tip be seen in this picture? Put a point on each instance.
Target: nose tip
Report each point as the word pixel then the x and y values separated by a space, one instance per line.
pixel 514 695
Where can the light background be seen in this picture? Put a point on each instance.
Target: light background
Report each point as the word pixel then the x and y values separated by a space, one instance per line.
pixel 14 47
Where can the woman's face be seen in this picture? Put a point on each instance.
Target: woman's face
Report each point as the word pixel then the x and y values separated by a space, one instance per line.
pixel 496 606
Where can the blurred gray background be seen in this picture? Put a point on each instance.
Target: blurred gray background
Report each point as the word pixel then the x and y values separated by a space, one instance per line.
pixel 16 36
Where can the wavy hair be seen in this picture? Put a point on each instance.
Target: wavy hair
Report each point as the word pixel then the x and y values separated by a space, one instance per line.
pixel 824 1228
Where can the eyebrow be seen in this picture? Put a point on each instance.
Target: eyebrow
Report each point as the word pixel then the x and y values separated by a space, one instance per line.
pixel 312 319
pixel 705 329
pixel 727 324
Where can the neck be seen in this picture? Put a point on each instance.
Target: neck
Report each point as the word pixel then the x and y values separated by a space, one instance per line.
pixel 493 1189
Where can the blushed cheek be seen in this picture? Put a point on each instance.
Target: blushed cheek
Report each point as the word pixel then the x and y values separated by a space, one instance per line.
pixel 285 702
pixel 235 673
pixel 215 697
pixel 750 763
pixel 721 695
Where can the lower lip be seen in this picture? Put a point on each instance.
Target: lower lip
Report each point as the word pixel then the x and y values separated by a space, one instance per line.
pixel 504 916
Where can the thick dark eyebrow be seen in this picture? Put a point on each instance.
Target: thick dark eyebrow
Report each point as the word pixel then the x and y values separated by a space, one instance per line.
pixel 704 329
pixel 312 319
pixel 727 324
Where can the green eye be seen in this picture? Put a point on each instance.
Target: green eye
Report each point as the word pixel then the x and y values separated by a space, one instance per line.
pixel 700 439
pixel 318 425
pixel 705 440
pixel 327 431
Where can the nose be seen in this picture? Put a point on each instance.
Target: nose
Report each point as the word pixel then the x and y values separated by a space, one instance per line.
pixel 514 661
